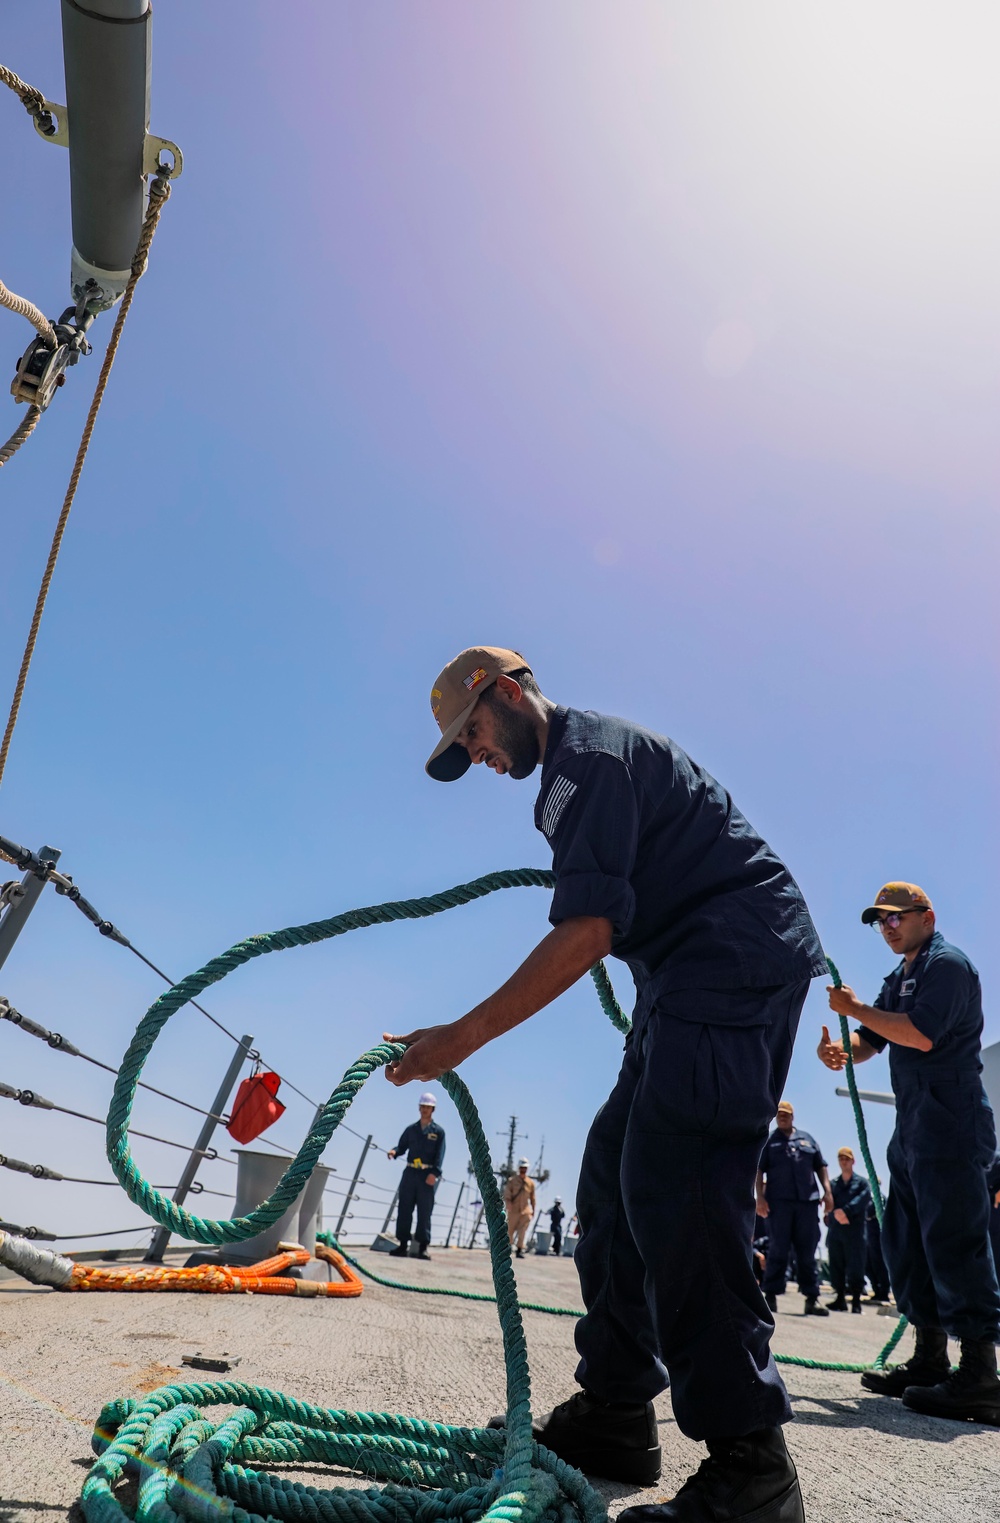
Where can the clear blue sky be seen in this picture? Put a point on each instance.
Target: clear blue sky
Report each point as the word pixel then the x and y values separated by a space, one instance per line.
pixel 660 343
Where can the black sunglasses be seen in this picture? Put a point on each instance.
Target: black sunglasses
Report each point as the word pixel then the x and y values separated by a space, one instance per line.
pixel 892 921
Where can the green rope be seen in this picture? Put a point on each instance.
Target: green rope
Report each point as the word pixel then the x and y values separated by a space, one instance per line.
pixel 438 1290
pixel 859 1122
pixel 190 1467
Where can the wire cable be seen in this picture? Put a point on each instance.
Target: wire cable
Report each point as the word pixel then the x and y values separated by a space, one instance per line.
pixel 58 1042
pixel 159 192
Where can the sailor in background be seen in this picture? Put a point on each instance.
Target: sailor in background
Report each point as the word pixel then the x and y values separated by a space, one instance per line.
pixel 936 1232
pixel 519 1203
pixel 845 1233
pixel 423 1144
pixel 556 1217
pixel 791 1179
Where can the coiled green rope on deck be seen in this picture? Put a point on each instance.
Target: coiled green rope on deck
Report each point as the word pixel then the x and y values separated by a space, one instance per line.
pixel 192 1468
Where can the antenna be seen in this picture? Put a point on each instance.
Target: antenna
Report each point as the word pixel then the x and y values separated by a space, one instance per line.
pixel 513 1136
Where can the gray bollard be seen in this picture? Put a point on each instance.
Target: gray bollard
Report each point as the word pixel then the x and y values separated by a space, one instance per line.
pixel 257 1174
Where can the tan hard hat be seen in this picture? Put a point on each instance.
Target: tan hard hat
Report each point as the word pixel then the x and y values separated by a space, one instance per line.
pixel 454 696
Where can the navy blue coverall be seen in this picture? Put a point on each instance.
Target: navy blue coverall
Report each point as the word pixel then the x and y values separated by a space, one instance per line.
pixel 845 1245
pixel 935 1236
pixel 721 948
pixel 791 1165
pixel 993 1185
pixel 424 1149
pixel 875 1266
pixel 556 1216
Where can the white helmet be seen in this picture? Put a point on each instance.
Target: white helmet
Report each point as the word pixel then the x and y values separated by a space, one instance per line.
pixel 427 1098
pixel 523 1163
pixel 558 1200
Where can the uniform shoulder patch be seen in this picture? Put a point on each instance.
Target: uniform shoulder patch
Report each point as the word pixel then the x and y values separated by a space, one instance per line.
pixel 558 796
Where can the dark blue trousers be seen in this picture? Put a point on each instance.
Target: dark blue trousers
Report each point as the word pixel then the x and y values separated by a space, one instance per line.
pixel 414 1191
pixel 792 1224
pixel 935 1236
pixel 875 1266
pixel 845 1249
pixel 666 1208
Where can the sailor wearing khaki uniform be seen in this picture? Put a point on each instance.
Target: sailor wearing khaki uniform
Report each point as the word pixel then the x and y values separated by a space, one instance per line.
pixel 519 1203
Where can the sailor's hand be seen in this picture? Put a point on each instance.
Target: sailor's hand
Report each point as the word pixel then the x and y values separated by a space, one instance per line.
pixel 429 1053
pixel 828 1203
pixel 841 1216
pixel 432 1179
pixel 391 1153
pixel 831 1053
pixel 844 1001
pixel 763 1209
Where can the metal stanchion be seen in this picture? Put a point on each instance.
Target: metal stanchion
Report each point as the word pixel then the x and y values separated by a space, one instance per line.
pixel 350 1188
pixel 161 1237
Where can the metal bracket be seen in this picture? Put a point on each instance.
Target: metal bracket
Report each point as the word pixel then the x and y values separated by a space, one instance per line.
pixel 151 161
pixel 57 128
pixel 152 148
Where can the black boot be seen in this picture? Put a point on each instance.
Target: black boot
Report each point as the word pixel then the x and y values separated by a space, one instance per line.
pixel 421 1252
pixel 400 1252
pixel 927 1366
pixel 969 1394
pixel 749 1478
pixel 812 1308
pixel 772 1301
pixel 856 1306
pixel 840 1304
pixel 615 1440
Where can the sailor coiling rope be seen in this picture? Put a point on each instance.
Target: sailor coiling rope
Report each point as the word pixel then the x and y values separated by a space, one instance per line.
pixel 191 1466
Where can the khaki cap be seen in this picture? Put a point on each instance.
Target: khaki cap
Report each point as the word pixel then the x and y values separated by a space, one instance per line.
pixel 846 1153
pixel 454 696
pixel 786 1106
pixel 896 896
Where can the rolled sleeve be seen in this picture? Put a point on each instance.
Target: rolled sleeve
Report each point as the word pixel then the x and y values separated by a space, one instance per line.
pixel 878 1043
pixel 594 843
pixel 942 999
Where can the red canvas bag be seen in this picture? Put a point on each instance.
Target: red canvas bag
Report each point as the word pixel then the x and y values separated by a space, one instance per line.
pixel 256 1107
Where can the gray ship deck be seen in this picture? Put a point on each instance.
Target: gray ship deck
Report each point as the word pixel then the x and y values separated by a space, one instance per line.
pixel 63 1355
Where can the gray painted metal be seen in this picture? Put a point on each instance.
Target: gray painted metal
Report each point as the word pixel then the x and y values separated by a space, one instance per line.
pixel 12 922
pixel 454 1214
pixel 351 1188
pixel 106 52
pixel 257 1175
pixel 874 1095
pixel 161 1236
pixel 392 1207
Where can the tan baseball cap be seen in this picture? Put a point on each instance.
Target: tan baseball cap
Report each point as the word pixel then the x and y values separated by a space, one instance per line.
pixel 896 896
pixel 455 694
pixel 786 1108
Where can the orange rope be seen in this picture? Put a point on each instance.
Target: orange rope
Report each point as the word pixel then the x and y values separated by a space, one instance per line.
pixel 265 1278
